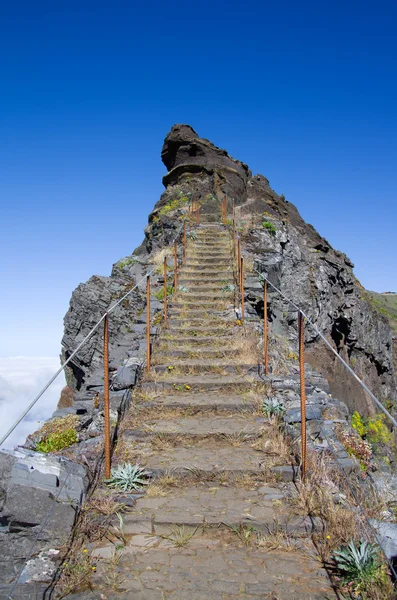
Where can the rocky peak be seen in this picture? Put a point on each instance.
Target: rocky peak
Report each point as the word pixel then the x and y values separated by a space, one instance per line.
pixel 296 258
pixel 184 152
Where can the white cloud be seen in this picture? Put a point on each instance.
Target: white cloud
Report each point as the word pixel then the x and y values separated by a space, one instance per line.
pixel 21 379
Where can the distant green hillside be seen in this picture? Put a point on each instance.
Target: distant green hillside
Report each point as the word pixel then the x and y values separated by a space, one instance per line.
pixel 387 305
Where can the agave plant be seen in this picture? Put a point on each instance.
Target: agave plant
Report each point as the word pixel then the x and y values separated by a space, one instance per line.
pixel 183 289
pixel 192 235
pixel 273 407
pixel 128 477
pixel 229 287
pixel 355 561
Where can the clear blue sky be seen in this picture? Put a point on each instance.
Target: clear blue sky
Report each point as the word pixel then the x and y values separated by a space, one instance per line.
pixel 304 92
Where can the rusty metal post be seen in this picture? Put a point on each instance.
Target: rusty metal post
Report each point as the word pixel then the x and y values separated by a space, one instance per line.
pixel 184 241
pixel 165 293
pixel 175 266
pixel 265 331
pixel 242 288
pixel 106 409
pixel 148 323
pixel 301 330
pixel 239 261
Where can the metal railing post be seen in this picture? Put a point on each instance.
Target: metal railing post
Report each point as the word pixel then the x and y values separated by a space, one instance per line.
pixel 184 241
pixel 239 261
pixel 165 293
pixel 301 331
pixel 265 331
pixel 242 288
pixel 106 409
pixel 148 323
pixel 175 266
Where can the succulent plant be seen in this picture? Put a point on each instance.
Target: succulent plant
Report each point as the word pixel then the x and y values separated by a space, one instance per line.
pixel 273 407
pixel 354 560
pixel 128 477
pixel 230 287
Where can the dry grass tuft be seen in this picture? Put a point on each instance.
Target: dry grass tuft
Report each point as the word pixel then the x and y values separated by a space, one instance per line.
pixel 274 442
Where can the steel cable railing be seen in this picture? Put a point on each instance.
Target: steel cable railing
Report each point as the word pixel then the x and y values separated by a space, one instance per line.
pixel 104 319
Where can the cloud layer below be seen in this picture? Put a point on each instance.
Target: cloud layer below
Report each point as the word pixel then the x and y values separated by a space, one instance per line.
pixel 21 379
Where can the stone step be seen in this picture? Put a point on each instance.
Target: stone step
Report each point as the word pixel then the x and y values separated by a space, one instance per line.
pixel 209 314
pixel 196 383
pixel 197 352
pixel 202 366
pixel 192 322
pixel 218 260
pixel 199 281
pixel 207 273
pixel 217 505
pixel 206 459
pixel 210 255
pixel 215 295
pixel 221 340
pixel 201 426
pixel 207 330
pixel 208 401
pixel 207 296
pixel 208 266
pixel 213 565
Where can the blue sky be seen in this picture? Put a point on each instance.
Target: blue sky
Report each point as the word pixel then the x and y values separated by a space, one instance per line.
pixel 305 93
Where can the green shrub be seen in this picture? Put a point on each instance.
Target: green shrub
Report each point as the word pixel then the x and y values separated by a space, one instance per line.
pixel 270 227
pixel 58 434
pixel 372 429
pixel 172 205
pixel 126 263
pixel 160 293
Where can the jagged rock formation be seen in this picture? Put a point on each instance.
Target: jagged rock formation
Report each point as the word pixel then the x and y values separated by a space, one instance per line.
pixel 295 257
pixel 275 241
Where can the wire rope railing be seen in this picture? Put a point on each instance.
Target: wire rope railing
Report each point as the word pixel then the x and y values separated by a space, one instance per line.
pixel 302 319
pixel 105 320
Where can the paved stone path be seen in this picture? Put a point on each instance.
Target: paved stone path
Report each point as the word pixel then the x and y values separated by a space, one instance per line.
pixel 216 522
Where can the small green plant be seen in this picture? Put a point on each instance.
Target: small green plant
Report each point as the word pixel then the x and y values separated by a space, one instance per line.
pixel 243 532
pixel 229 221
pixel 360 569
pixel 372 429
pixel 270 227
pixel 229 287
pixel 128 477
pixel 160 293
pixel 58 434
pixel 272 407
pixel 126 262
pixel 180 536
pixel 57 441
pixel 192 235
pixel 172 205
pixel 183 289
pixel 356 446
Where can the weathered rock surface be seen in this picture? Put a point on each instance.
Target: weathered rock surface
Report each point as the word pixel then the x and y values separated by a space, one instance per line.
pixel 300 262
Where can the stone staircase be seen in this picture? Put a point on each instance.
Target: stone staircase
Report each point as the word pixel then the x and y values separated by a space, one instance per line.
pixel 216 522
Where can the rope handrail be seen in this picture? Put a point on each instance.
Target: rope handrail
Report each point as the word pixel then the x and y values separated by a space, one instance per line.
pixel 363 385
pixel 69 359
